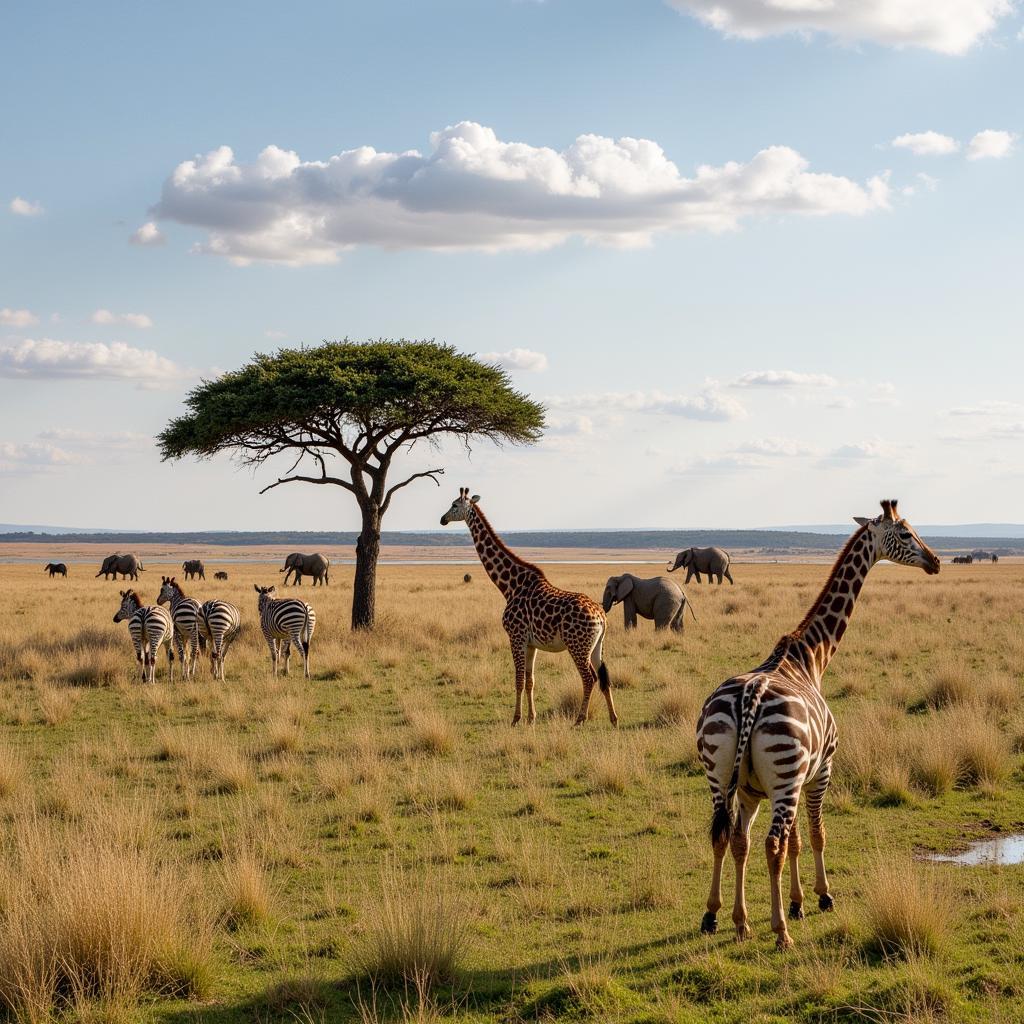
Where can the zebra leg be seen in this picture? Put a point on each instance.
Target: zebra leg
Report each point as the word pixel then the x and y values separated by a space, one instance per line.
pixel 519 660
pixel 179 642
pixel 170 659
pixel 303 645
pixel 531 708
pixel 815 799
pixel 740 843
pixel 796 892
pixel 286 653
pixel 139 657
pixel 719 845
pixel 783 811
pixel 273 654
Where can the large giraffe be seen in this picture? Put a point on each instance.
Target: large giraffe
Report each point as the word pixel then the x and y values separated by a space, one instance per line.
pixel 538 616
pixel 769 733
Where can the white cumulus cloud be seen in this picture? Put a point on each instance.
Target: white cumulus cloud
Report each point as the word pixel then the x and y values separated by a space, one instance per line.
pixel 990 144
pixel 122 439
pixel 518 359
pixel 17 317
pixel 48 358
pixel 147 234
pixel 476 191
pixel 106 318
pixel 776 447
pixel 25 207
pixel 783 379
pixel 946 26
pixel 18 457
pixel 927 143
pixel 709 404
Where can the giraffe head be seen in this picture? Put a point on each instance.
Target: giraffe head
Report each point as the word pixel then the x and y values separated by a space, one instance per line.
pixel 898 540
pixel 130 604
pixel 459 512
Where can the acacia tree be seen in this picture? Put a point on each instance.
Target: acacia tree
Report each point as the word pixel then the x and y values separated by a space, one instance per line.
pixel 343 411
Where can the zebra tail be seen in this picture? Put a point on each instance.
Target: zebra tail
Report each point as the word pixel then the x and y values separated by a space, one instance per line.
pixel 305 633
pixel 750 704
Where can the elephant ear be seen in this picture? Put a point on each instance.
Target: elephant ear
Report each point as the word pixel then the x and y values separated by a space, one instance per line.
pixel 624 588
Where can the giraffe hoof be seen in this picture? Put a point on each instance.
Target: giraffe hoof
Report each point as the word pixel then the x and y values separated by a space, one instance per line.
pixel 825 902
pixel 743 933
pixel 796 911
pixel 515 721
pixel 708 924
pixel 783 941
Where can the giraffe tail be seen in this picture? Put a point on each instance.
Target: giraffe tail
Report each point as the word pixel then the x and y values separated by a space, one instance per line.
pixel 603 679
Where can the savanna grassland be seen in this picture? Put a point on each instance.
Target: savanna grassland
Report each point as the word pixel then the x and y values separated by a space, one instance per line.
pixel 378 844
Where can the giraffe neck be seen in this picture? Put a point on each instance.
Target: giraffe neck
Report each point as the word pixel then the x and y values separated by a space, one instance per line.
pixel 507 570
pixel 825 624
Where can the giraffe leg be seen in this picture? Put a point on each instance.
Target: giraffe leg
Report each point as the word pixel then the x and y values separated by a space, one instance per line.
pixel 589 677
pixel 815 798
pixel 740 843
pixel 531 708
pixel 519 660
pixel 597 662
pixel 796 892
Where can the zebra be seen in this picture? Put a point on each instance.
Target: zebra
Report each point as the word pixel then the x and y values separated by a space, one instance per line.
pixel 185 615
pixel 769 734
pixel 285 621
pixel 219 623
pixel 149 626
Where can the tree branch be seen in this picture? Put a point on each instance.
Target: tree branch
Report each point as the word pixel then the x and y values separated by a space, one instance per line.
pixel 309 480
pixel 433 474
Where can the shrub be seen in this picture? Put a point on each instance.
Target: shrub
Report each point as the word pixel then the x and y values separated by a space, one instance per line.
pixel 909 908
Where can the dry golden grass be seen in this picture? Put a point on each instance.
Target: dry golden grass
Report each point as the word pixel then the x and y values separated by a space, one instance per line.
pixel 574 862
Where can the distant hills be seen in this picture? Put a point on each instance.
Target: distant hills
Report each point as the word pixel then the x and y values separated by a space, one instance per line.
pixel 780 541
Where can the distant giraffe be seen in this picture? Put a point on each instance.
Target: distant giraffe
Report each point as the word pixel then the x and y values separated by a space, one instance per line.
pixel 538 616
pixel 769 733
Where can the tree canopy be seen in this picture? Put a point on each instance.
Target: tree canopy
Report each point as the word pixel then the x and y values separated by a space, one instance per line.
pixel 361 402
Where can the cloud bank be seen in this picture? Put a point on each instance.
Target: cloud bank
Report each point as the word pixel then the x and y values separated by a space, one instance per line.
pixel 710 404
pixel 475 191
pixel 17 317
pixel 945 26
pixel 783 379
pixel 25 207
pixel 47 358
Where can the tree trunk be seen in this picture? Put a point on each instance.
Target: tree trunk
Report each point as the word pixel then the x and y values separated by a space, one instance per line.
pixel 364 592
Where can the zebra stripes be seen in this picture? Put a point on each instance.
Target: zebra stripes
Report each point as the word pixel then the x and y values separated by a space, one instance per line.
pixel 768 734
pixel 219 624
pixel 285 621
pixel 149 626
pixel 185 616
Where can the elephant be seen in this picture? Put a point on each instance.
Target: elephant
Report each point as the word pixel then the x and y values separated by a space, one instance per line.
pixel 127 565
pixel 192 567
pixel 315 565
pixel 222 575
pixel 56 569
pixel 710 561
pixel 660 599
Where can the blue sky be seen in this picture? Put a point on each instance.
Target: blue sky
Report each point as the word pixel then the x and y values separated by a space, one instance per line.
pixel 828 312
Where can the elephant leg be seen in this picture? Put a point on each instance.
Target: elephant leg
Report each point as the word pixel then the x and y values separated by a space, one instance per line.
pixel 728 575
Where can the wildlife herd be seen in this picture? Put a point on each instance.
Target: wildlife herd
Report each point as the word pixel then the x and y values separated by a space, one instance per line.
pixel 763 735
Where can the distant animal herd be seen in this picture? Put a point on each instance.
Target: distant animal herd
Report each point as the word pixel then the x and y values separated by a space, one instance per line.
pixel 765 734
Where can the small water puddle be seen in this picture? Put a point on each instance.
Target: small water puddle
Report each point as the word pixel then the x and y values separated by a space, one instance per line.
pixel 1000 850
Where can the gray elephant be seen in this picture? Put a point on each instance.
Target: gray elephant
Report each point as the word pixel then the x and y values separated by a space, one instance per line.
pixel 315 565
pixel 56 569
pixel 193 567
pixel 660 599
pixel 127 565
pixel 710 561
